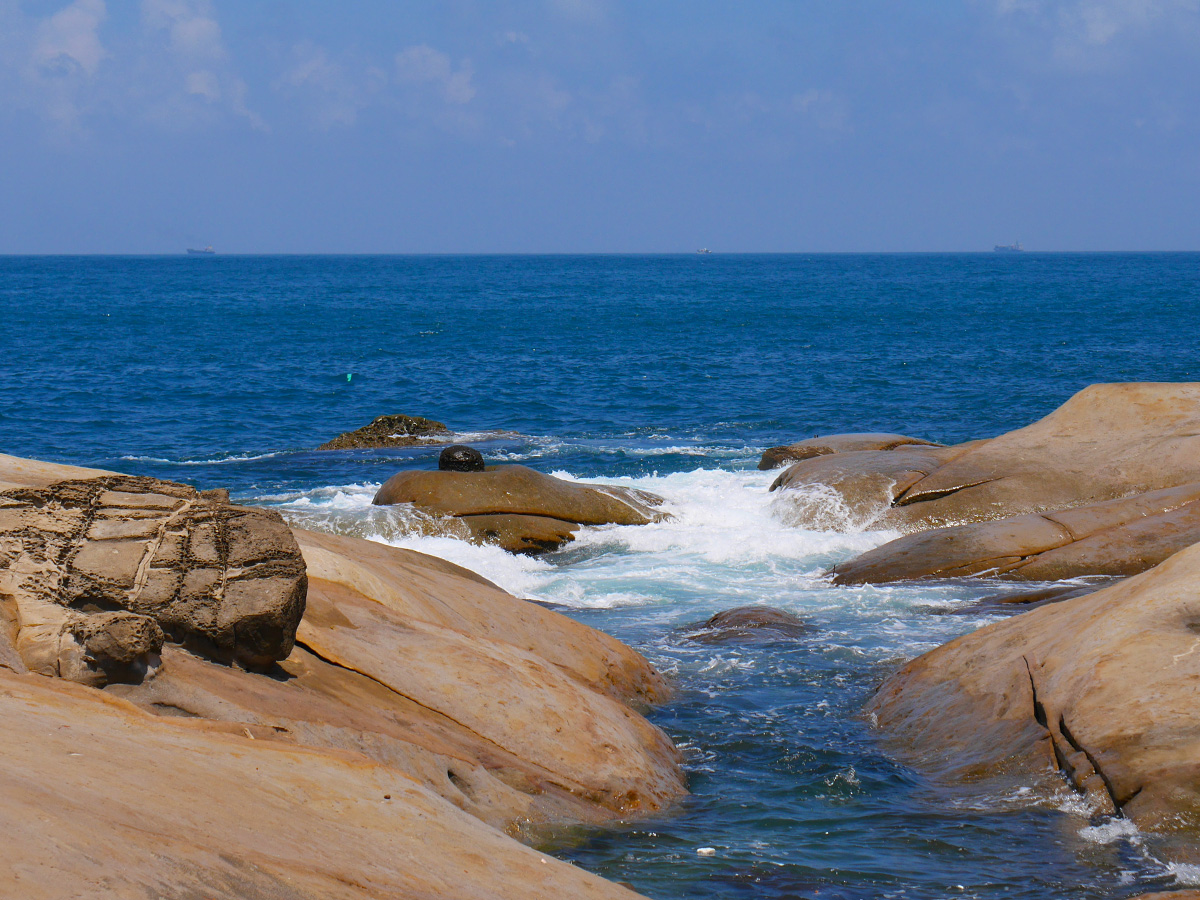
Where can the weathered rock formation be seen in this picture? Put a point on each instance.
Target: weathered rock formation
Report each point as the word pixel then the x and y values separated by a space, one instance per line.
pixel 1102 687
pixel 521 510
pixel 748 623
pixel 1116 537
pixel 774 457
pixel 1109 441
pixel 106 800
pixel 97 571
pixel 392 431
pixel 421 714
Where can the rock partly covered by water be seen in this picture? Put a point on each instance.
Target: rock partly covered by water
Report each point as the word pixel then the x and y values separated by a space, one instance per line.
pixel 421 715
pixel 392 431
pixel 748 623
pixel 1100 687
pixel 1116 537
pixel 1107 442
pixel 522 510
pixel 774 457
pixel 97 571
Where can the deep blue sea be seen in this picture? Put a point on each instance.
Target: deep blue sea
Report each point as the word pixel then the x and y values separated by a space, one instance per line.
pixel 671 373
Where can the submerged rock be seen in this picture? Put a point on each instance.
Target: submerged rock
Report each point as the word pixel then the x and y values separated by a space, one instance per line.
pixel 461 458
pixel 392 431
pixel 97 571
pixel 519 509
pixel 1102 687
pixel 775 457
pixel 746 623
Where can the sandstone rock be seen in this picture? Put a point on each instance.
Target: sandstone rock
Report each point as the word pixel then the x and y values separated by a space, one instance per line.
pixel 1109 441
pixel 522 510
pixel 104 800
pixel 96 571
pixel 392 431
pixel 749 623
pixel 460 458
pixel 16 471
pixel 1102 687
pixel 1116 537
pixel 1170 895
pixel 419 703
pixel 774 457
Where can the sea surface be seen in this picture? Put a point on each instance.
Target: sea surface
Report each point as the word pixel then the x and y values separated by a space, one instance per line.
pixel 670 373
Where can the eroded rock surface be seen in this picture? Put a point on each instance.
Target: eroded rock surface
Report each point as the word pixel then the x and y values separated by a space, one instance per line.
pixel 232 811
pixel 1102 687
pixel 1109 441
pixel 392 431
pixel 775 457
pixel 96 572
pixel 518 508
pixel 420 705
pixel 1117 537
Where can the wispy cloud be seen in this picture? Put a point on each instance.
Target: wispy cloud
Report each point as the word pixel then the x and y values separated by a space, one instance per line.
pixel 332 96
pixel 190 36
pixel 423 65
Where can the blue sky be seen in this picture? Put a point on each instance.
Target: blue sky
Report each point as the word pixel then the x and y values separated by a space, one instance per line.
pixel 598 126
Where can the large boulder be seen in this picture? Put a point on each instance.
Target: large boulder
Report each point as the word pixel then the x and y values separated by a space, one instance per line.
pixel 518 508
pixel 1116 537
pixel 98 571
pixel 392 431
pixel 774 457
pixel 1109 441
pixel 1101 687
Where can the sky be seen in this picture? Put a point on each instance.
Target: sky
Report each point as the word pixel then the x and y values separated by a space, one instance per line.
pixel 595 126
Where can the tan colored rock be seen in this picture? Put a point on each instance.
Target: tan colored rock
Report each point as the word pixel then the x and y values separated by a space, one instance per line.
pixel 775 457
pixel 1117 537
pixel 511 504
pixel 1170 895
pixel 103 800
pixel 420 705
pixel 1102 687
pixel 97 570
pixel 18 472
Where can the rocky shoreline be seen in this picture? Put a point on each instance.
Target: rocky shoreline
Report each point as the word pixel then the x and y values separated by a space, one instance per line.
pixel 297 714
pixel 391 732
pixel 1098 689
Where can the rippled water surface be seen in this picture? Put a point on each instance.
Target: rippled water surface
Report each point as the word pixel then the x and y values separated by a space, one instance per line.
pixel 670 374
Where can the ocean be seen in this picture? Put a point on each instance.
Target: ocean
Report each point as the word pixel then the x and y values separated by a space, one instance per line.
pixel 671 374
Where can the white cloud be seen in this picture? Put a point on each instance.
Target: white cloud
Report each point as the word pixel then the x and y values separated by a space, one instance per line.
pixel 1083 33
pixel 189 33
pixel 70 40
pixel 425 65
pixel 335 99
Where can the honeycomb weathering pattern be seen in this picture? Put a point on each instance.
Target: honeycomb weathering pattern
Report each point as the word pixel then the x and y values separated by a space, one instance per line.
pixel 82 560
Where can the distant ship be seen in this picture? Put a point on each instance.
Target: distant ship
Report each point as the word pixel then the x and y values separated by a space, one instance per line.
pixel 1009 248
pixel 209 251
pixel 704 250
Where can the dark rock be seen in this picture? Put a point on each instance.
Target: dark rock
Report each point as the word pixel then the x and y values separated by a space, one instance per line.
pixel 748 623
pixel 100 570
pixel 392 431
pixel 460 458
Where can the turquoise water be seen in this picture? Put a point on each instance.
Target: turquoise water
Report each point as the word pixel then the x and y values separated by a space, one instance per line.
pixel 672 374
